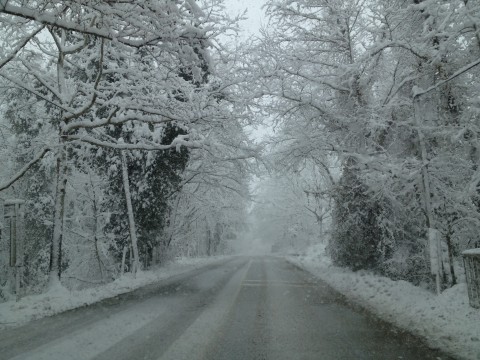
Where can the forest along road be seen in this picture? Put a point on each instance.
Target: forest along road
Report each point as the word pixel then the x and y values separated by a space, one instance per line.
pixel 244 308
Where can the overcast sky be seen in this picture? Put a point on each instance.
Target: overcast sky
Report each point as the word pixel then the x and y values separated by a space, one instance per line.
pixel 251 26
pixel 254 13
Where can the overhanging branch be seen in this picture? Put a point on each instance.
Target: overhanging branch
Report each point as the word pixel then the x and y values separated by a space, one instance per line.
pixel 20 46
pixel 137 39
pixel 418 93
pixel 22 172
pixel 178 142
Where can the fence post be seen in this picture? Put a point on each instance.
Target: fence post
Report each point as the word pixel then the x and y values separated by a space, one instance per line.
pixel 471 262
pixel 12 216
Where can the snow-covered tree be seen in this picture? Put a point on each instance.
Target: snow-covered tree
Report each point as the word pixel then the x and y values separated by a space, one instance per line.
pixel 386 88
pixel 113 76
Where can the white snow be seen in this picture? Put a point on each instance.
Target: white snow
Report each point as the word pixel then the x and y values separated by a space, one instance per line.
pixel 447 321
pixel 59 299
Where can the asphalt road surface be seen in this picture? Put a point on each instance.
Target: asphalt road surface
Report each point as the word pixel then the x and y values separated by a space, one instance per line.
pixel 244 308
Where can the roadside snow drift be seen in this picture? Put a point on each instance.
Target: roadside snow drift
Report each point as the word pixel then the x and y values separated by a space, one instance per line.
pixel 60 299
pixel 447 321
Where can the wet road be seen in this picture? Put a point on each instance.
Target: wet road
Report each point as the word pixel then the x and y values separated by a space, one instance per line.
pixel 244 308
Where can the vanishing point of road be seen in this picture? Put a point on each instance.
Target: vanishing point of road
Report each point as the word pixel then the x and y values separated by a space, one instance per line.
pixel 242 308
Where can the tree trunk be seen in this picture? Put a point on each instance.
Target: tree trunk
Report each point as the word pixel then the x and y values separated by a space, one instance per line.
pixel 95 231
pixel 131 219
pixel 60 190
pixel 59 211
pixel 427 200
pixel 448 239
pixel 124 256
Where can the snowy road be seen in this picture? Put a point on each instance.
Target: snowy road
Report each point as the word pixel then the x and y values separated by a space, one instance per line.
pixel 245 308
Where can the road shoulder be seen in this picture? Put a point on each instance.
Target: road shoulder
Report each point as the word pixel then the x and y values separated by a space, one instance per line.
pixel 56 301
pixel 446 322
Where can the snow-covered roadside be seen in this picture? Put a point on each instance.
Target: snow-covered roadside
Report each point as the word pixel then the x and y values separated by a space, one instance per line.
pixel 13 313
pixel 447 321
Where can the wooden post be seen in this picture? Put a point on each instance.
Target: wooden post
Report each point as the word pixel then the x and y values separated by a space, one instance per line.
pixel 14 215
pixel 20 232
pixel 471 261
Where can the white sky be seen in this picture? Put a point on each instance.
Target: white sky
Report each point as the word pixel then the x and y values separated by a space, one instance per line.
pixel 251 26
pixel 254 12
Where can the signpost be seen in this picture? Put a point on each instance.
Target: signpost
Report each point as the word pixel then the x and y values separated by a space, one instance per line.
pixel 12 232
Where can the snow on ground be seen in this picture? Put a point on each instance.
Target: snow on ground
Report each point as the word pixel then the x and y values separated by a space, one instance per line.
pixel 58 300
pixel 447 321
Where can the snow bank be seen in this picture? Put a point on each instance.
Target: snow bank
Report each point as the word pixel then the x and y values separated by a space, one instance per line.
pixel 447 321
pixel 59 299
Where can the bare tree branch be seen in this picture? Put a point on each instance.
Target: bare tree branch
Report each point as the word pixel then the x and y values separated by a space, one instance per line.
pixel 137 39
pixel 459 72
pixel 179 141
pixel 20 46
pixel 22 172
